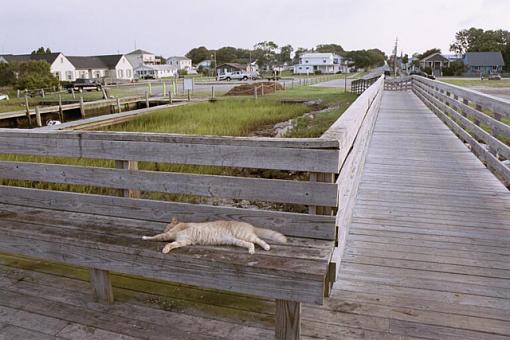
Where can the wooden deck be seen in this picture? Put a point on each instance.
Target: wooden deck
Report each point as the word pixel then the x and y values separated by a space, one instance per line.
pixel 427 256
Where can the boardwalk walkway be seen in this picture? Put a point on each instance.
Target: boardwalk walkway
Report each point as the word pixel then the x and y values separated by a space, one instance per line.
pixel 428 254
pixel 427 257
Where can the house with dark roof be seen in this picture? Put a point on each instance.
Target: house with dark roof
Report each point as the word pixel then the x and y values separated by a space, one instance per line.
pixel 480 63
pixel 60 65
pixel 436 62
pixel 106 67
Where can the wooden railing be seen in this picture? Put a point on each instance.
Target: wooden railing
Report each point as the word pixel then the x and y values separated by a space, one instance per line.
pixel 480 120
pixel 359 86
pixel 398 84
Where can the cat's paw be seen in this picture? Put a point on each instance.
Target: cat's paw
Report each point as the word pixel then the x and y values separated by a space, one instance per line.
pixel 266 247
pixel 145 237
pixel 166 249
pixel 251 250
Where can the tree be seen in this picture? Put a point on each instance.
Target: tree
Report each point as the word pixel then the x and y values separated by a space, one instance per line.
pixel 7 75
pixel 161 59
pixel 265 53
pixel 285 52
pixel 41 50
pixel 34 74
pixel 226 54
pixel 405 59
pixel 199 54
pixel 330 48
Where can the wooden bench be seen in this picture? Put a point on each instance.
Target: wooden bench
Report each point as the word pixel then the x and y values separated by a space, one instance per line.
pixel 102 231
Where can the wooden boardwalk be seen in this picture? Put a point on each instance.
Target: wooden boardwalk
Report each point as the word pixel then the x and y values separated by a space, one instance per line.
pixel 427 257
pixel 428 253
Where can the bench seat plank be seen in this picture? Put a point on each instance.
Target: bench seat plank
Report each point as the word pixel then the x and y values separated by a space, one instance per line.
pixel 264 274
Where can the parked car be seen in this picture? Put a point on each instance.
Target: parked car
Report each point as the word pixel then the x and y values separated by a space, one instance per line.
pixel 236 75
pixel 84 84
pixel 422 74
pixel 491 76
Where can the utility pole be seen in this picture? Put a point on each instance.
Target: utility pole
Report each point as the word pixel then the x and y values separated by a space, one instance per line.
pixel 395 57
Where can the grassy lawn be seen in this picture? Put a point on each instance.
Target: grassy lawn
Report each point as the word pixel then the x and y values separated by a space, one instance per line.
pixel 505 82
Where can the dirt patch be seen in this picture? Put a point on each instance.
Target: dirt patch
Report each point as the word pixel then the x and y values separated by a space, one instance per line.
pixel 249 89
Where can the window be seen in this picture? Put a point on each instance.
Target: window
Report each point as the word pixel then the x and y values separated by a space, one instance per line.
pixel 128 73
pixel 324 61
pixel 306 61
pixel 69 75
pixel 121 73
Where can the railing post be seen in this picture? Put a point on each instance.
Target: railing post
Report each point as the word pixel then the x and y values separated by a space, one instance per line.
pixel 38 119
pixel 82 108
pixel 128 165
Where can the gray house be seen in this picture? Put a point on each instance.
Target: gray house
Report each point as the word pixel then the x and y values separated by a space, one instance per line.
pixel 483 63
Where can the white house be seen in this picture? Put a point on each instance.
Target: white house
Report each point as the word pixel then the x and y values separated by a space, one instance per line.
pixel 154 71
pixel 309 63
pixel 60 65
pixel 141 57
pixel 106 67
pixel 180 63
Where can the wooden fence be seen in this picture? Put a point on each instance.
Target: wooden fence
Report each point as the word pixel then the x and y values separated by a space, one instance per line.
pixel 359 86
pixel 398 84
pixel 480 120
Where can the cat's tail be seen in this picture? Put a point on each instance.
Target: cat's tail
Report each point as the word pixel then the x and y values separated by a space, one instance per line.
pixel 271 235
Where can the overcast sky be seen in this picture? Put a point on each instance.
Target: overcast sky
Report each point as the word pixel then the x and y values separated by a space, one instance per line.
pixel 167 27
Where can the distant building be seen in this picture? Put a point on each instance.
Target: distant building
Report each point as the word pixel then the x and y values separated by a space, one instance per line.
pixel 141 57
pixel 60 66
pixel 205 64
pixel 180 63
pixel 310 63
pixel 435 62
pixel 105 67
pixel 148 71
pixel 483 62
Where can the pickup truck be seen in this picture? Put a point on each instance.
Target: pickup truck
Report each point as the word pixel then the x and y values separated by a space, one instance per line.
pixel 84 84
pixel 236 75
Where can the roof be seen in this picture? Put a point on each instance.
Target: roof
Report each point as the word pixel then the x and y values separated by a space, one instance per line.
pixel 48 57
pixel 435 57
pixel 178 58
pixel 156 67
pixel 484 59
pixel 96 62
pixel 139 51
pixel 234 65
pixel 316 55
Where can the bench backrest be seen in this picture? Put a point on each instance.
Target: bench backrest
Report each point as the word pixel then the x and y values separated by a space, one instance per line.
pixel 85 159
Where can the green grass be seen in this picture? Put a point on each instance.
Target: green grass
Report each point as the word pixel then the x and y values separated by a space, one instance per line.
pixel 477 82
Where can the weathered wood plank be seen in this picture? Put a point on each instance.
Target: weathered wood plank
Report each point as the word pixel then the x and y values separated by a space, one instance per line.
pixel 291 224
pixel 101 285
pixel 288 320
pixel 298 192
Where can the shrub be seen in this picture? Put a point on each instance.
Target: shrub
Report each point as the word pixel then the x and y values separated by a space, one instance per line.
pixel 34 75
pixel 182 73
pixel 317 72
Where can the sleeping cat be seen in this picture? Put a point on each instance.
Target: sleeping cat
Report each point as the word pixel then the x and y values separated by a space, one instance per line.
pixel 235 233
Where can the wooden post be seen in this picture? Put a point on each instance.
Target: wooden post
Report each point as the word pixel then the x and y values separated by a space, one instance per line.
pixel 262 89
pixel 72 92
pixel 189 96
pixel 128 165
pixel 43 94
pixel 27 109
pixel 288 320
pixel 60 109
pixel 212 91
pixel 255 92
pixel 82 108
pixel 119 109
pixel 38 119
pixel 170 96
pixel 103 90
pixel 101 285
pixel 18 93
pixel 147 104
pixel 150 88
pixel 275 86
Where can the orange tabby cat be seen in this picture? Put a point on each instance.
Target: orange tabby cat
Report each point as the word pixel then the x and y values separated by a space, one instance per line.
pixel 235 233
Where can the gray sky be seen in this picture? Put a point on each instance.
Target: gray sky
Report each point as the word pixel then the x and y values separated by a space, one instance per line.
pixel 77 27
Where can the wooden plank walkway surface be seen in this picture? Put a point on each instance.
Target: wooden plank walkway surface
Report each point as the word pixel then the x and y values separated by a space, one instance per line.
pixel 428 251
pixel 427 257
